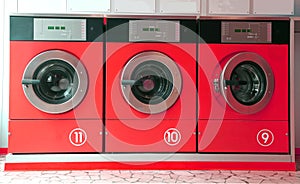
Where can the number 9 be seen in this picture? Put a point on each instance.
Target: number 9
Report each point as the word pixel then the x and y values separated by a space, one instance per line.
pixel 265 136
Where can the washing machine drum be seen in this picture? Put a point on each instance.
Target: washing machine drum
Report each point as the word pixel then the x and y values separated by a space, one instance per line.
pixel 55 81
pixel 247 82
pixel 151 82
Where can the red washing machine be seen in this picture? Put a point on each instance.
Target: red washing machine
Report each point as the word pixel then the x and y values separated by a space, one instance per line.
pixel 244 86
pixel 151 86
pixel 54 66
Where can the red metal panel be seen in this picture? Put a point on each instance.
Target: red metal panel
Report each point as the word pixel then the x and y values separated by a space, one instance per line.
pixel 243 136
pixel 213 57
pixel 55 136
pixel 90 55
pixel 151 136
pixel 119 54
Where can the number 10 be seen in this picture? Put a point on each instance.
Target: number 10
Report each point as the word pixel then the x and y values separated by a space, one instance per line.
pixel 172 137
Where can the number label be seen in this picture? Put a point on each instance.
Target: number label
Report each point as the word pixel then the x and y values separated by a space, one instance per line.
pixel 172 136
pixel 77 137
pixel 265 137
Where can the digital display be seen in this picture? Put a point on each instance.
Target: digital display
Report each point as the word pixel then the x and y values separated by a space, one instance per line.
pixel 246 32
pixel 242 30
pixel 154 30
pixel 60 29
pixel 56 28
pixel 151 29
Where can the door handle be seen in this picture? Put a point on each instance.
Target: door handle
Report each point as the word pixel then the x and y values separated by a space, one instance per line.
pixel 30 81
pixel 235 82
pixel 128 82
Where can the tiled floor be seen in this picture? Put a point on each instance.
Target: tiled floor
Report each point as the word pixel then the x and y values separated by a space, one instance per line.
pixel 169 176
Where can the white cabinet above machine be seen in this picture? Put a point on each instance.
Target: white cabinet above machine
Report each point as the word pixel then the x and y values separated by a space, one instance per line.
pixel 41 6
pixel 134 6
pixel 161 7
pixel 273 7
pixel 217 7
pixel 86 6
pixel 247 7
pixel 179 6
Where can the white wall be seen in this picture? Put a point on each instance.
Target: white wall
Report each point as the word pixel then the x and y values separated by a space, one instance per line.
pixel 297 86
pixel 2 128
pixel 297 75
pixel 297 7
pixel 6 7
pixel 297 90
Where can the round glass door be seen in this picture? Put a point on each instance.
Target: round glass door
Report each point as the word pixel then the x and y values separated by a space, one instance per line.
pixel 151 82
pixel 55 81
pixel 247 83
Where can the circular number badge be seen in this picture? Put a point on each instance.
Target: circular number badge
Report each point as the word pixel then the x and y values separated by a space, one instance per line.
pixel 172 136
pixel 77 137
pixel 265 137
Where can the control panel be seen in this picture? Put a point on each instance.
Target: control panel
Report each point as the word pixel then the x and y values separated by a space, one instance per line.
pixel 59 29
pixel 154 30
pixel 246 32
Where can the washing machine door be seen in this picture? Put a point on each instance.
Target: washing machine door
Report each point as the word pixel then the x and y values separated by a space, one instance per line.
pixel 247 83
pixel 151 82
pixel 55 81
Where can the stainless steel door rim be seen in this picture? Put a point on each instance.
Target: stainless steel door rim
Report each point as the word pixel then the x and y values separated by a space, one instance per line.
pixel 258 82
pixel 151 82
pixel 55 81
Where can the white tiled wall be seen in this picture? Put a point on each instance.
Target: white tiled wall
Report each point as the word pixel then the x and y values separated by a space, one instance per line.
pixel 6 7
pixel 134 6
pixel 229 7
pixel 42 6
pixel 297 7
pixel 178 6
pixel 297 90
pixel 208 7
pixel 267 7
pixel 297 75
pixel 88 6
pixel 2 129
pixel 297 83
pixel 3 74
